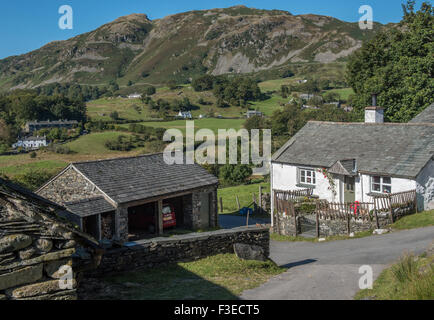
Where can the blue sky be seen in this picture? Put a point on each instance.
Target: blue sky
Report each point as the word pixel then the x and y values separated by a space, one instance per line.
pixel 26 25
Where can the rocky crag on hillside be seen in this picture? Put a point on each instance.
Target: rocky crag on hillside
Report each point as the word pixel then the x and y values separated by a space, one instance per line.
pixel 185 45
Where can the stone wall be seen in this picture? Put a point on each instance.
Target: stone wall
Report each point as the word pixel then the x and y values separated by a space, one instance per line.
pixel 34 244
pixel 285 225
pixel 195 218
pixel 69 186
pixel 160 251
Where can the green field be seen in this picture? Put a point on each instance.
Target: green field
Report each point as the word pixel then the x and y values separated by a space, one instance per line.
pixel 51 166
pixel 344 93
pixel 207 123
pixel 244 193
pixel 94 143
pixel 102 108
pixel 220 277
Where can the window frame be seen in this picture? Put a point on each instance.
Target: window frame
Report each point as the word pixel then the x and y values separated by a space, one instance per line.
pixel 381 184
pixel 312 176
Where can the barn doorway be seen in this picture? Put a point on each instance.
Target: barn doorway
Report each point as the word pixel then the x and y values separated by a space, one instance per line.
pixel 91 226
pixel 142 221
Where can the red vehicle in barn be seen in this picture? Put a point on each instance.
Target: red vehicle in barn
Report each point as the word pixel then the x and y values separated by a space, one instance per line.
pixel 169 216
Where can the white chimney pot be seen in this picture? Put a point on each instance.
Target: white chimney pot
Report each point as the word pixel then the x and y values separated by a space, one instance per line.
pixel 374 115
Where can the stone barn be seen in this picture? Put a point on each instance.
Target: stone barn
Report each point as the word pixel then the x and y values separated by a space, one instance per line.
pixel 128 199
pixel 38 246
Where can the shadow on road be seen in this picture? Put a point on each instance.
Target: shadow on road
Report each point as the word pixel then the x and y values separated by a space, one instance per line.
pixel 298 263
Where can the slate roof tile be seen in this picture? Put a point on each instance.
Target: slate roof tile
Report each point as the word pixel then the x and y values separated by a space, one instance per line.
pixel 387 148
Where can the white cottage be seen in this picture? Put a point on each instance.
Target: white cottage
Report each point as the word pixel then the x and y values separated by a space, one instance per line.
pixel 347 162
pixel 31 143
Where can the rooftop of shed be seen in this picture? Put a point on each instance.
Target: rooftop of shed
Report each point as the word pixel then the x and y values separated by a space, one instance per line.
pixel 136 178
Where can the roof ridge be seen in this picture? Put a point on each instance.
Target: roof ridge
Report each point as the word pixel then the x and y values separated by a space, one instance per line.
pixel 412 124
pixel 117 158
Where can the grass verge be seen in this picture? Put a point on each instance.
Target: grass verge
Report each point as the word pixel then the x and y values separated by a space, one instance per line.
pixel 418 220
pixel 412 278
pixel 278 237
pixel 218 277
pixel 244 193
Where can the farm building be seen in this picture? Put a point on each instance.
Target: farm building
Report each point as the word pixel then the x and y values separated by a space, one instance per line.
pixel 128 199
pixel 348 162
pixel 37 246
pixel 33 126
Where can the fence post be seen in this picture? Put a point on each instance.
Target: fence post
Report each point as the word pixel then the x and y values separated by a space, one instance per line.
pixel 221 205
pixel 390 209
pixel 295 218
pixel 415 201
pixel 238 202
pixel 317 221
pixel 260 198
pixel 375 213
pixel 348 222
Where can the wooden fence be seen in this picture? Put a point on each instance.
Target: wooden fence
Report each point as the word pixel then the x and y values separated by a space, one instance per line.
pixel 389 202
pixel 364 212
pixel 342 211
pixel 293 195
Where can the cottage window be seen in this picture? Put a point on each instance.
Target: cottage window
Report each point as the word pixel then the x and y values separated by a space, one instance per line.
pixel 381 184
pixel 307 176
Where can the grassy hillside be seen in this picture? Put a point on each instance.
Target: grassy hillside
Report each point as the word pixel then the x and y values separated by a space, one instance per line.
pixel 236 40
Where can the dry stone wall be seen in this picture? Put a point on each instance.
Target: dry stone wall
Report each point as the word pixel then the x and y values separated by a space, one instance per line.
pixel 34 245
pixel 160 251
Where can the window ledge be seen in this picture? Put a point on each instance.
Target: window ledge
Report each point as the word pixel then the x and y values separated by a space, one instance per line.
pixel 308 186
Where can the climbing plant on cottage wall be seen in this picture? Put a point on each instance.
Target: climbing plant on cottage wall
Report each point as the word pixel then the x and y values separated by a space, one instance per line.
pixel 327 175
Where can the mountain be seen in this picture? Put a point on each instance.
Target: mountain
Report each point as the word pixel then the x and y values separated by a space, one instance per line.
pixel 182 46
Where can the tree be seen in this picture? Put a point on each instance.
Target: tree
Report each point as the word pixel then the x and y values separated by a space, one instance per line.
pixel 149 91
pixel 114 115
pixel 172 84
pixel 287 73
pixel 203 83
pixel 255 122
pixel 397 65
pixel 235 174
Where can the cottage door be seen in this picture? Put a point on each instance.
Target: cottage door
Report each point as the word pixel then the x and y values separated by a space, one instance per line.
pixel 204 209
pixel 349 189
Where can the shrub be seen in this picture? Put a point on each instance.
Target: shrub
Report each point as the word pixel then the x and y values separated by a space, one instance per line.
pixel 33 179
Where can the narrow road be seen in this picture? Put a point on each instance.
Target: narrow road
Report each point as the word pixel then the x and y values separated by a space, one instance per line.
pixel 330 270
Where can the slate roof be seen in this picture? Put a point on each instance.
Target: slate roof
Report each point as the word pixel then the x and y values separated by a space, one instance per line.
pixel 89 207
pixel 426 116
pixel 41 205
pixel 400 150
pixel 129 179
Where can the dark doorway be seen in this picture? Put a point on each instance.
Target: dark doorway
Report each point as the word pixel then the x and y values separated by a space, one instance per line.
pixel 91 226
pixel 142 221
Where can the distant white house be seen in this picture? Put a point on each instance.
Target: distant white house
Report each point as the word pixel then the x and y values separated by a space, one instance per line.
pixel 347 162
pixel 31 143
pixel 301 81
pixel 308 96
pixel 253 113
pixel 134 96
pixel 185 115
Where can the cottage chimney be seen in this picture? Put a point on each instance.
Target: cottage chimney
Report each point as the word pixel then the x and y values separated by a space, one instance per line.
pixel 374 113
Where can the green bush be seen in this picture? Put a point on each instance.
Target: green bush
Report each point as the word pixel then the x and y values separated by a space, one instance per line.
pixel 33 179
